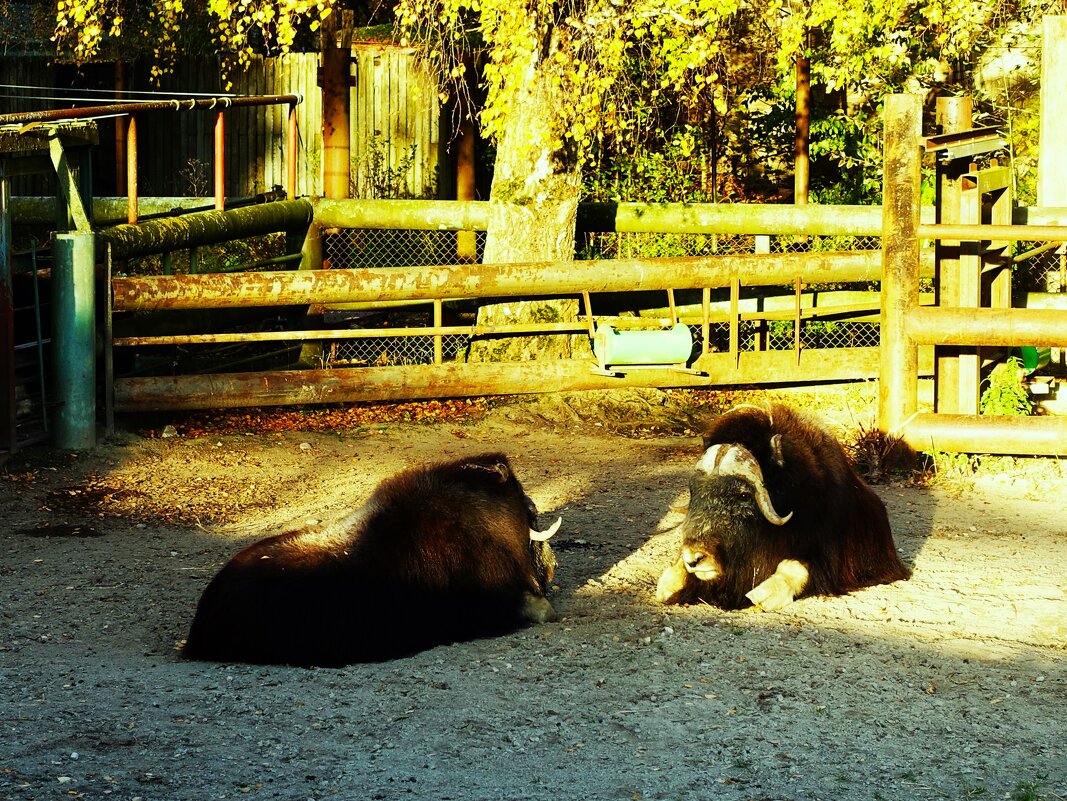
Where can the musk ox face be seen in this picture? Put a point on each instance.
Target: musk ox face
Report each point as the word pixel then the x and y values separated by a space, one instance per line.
pixel 776 512
pixel 542 556
pixel 437 554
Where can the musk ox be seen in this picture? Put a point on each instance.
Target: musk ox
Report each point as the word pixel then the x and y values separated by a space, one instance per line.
pixel 776 512
pixel 440 554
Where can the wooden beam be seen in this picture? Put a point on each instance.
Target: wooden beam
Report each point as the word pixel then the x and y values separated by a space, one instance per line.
pixel 1052 156
pixel 1003 327
pixel 977 232
pixel 457 379
pixel 955 433
pixel 68 187
pixel 898 384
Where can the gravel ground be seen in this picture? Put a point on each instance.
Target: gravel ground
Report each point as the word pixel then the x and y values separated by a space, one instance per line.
pixel 951 685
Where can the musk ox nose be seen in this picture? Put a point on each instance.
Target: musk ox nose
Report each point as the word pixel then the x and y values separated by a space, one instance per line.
pixel 691 559
pixel 700 563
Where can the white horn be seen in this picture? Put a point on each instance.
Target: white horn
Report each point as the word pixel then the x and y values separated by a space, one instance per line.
pixel 544 536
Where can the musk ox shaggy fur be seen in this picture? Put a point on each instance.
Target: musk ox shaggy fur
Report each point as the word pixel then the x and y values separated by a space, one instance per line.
pixel 439 554
pixel 776 512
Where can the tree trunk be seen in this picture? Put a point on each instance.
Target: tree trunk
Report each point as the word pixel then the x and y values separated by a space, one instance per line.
pixel 532 208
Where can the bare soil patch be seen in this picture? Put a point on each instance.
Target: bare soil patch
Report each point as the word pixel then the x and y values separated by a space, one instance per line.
pixel 950 685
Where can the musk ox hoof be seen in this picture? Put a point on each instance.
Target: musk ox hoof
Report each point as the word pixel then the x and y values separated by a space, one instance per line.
pixel 672 584
pixel 788 581
pixel 537 609
pixel 772 594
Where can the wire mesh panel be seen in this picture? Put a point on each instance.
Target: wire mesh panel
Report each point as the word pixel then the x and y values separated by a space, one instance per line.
pixel 385 350
pixel 371 247
pixel 822 334
pixel 628 245
pixel 347 248
pixel 640 245
pixel 1045 271
pixel 368 247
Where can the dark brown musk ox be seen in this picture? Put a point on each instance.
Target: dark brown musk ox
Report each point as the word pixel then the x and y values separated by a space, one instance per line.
pixel 437 554
pixel 776 512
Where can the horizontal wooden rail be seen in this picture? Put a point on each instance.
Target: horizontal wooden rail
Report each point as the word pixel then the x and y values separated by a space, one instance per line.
pixel 1004 327
pixel 676 218
pixel 1025 233
pixel 952 433
pixel 146 293
pixel 460 379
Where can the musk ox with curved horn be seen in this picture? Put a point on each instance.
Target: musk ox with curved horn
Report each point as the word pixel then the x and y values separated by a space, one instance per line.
pixel 776 512
pixel 438 554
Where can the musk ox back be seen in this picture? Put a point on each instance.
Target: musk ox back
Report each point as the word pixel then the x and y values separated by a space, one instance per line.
pixel 776 512
pixel 438 554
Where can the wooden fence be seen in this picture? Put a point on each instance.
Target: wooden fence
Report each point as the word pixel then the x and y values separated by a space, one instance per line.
pixel 393 109
pixel 970 322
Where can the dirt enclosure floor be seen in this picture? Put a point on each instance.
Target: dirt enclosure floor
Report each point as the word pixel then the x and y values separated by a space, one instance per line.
pixel 952 685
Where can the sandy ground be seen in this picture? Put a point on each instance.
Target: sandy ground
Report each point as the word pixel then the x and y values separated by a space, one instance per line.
pixel 951 685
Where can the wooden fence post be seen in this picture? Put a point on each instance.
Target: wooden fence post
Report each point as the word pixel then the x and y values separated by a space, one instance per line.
pixel 898 395
pixel 953 114
pixel 1052 155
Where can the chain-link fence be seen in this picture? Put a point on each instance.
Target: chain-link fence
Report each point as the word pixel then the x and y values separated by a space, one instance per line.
pixel 394 248
pixel 779 335
pixel 1043 271
pixel 355 247
pixel 626 245
pixel 367 247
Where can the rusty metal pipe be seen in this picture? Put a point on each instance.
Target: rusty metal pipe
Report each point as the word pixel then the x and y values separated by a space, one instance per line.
pixel 143 293
pixel 220 161
pixel 131 170
pixel 205 228
pixel 292 137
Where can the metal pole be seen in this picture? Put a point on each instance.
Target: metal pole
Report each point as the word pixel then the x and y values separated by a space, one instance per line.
pixel 898 385
pixel 131 170
pixel 928 325
pixel 111 109
pixel 206 228
pixel 969 289
pixel 120 130
pixel 74 340
pixel 220 161
pixel 291 146
pixel 109 349
pixel 8 438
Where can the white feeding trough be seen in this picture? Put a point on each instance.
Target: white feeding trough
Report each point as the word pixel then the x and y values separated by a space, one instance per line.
pixel 620 350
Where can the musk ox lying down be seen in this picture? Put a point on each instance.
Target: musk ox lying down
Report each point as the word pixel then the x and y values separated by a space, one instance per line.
pixel 439 554
pixel 776 512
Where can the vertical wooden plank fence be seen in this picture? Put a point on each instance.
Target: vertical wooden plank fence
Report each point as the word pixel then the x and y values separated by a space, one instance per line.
pixel 394 107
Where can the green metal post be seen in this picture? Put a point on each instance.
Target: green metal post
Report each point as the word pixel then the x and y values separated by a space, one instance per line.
pixel 74 341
